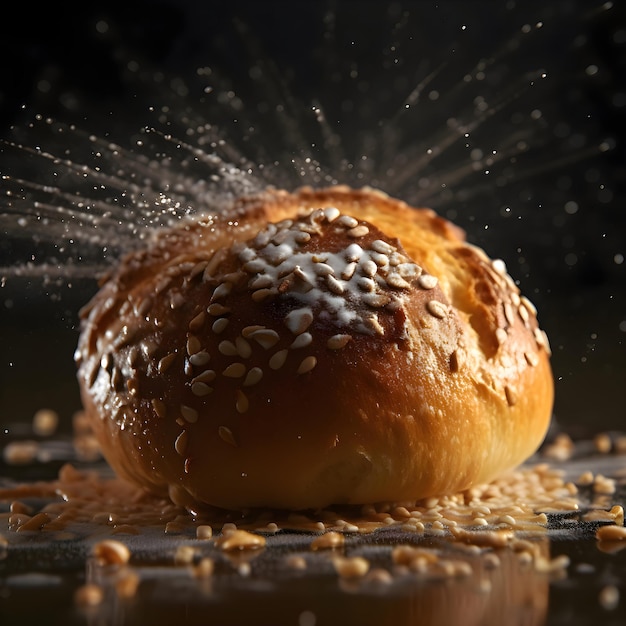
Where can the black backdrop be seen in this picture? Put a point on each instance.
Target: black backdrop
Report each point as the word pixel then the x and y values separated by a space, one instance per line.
pixel 561 227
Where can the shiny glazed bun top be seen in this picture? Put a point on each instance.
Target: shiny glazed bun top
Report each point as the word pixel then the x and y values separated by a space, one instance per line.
pixel 315 348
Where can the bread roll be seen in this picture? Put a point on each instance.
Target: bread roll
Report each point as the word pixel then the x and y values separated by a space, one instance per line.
pixel 313 348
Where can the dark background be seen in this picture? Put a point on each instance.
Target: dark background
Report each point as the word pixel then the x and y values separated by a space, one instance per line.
pixel 555 212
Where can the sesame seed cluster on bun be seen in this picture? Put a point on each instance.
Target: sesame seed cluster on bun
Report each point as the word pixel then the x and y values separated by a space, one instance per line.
pixel 320 347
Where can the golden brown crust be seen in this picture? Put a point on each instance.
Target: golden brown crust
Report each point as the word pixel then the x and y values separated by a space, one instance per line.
pixel 359 352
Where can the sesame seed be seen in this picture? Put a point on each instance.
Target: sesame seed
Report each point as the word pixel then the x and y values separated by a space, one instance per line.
pixel 307 364
pixel 348 221
pixel 159 407
pixel 197 322
pixel 531 358
pixel 509 315
pixel 189 414
pixel 282 235
pixel 427 281
pixel 200 358
pixel 381 246
pixel 261 294
pixel 611 533
pixel 133 386
pixel 166 362
pixel 298 320
pixel 542 340
pixel 176 300
pixel 302 237
pixel 180 445
pixel 193 345
pixel 133 356
pixel 329 540
pixel 299 273
pixel 89 595
pixel 260 282
pixel 206 377
pixel 312 229
pixel 323 269
pixel 241 404
pixel 609 597
pixel 265 337
pixel 213 263
pixel 376 299
pixel 246 254
pixel 353 252
pixel 235 370
pixel 226 434
pixel 301 341
pixel 395 280
pixel 358 231
pixel 216 309
pixel 373 324
pixel 366 284
pixel 369 268
pixel 278 254
pixel 253 377
pixel 111 552
pixel 523 313
pixel 234 277
pixel 501 335
pixel 264 237
pixel 331 213
pixel 219 325
pixel 198 269
pixel 348 271
pixel 278 359
pixel 395 304
pixel 116 378
pixel 526 303
pixel 336 342
pixel 437 309
pixel 351 567
pixel 160 287
pixel 248 330
pixel 222 290
pixel 227 348
pixel 511 396
pixel 200 389
pixel 334 285
pixel 381 260
pixel 244 350
pixel 204 531
pixel 499 266
pixel 144 306
pixel 254 267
